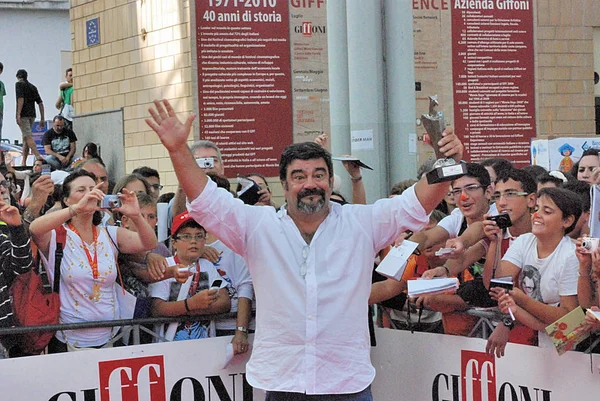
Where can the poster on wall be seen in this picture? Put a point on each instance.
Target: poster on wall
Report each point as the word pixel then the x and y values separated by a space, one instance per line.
pixel 560 153
pixel 262 78
pixel 244 73
pixel 493 78
pixel 485 84
pixel 433 63
pixel 310 69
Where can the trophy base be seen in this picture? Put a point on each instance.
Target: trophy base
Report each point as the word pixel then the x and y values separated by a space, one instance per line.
pixel 447 173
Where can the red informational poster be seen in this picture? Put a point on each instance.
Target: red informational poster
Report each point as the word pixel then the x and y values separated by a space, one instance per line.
pixel 244 81
pixel 493 78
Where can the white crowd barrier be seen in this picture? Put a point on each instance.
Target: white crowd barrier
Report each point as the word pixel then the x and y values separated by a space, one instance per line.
pixel 411 367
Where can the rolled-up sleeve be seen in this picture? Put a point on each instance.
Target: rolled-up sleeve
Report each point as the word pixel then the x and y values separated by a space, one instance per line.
pixel 400 213
pixel 229 219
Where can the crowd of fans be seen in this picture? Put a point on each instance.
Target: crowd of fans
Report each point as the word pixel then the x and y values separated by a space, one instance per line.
pixel 193 274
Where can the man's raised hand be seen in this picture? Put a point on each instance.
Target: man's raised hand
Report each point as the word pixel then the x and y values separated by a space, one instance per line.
pixel 450 145
pixel 172 133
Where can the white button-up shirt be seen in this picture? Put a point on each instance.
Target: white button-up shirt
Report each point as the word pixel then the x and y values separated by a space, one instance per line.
pixel 311 315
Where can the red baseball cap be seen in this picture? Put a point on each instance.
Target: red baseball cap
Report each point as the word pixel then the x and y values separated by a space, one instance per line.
pixel 179 220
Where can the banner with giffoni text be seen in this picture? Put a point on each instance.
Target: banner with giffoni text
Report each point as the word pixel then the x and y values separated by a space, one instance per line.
pixel 409 366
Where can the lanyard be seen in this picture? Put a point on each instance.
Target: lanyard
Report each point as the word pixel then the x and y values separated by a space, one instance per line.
pixel 196 281
pixel 93 262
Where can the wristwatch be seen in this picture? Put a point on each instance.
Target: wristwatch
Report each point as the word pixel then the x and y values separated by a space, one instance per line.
pixel 242 329
pixel 508 322
pixel 28 217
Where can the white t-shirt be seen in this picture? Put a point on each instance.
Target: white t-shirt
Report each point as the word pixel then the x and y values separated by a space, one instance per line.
pixel 83 298
pixel 453 222
pixel 162 289
pixel 232 269
pixel 547 279
pixel 169 290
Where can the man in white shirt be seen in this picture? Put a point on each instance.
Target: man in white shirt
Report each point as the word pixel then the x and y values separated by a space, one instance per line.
pixel 311 263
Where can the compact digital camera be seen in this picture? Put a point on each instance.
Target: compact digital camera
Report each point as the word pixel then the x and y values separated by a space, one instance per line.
pixel 502 220
pixel 590 244
pixel 205 162
pixel 110 202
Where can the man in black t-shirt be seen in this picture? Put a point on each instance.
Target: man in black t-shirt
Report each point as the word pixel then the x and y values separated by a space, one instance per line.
pixel 27 96
pixel 59 144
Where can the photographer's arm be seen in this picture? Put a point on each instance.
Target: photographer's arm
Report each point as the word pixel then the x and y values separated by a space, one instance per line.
pixel 386 289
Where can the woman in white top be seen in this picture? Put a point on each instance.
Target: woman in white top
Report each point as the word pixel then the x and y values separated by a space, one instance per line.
pixel 543 265
pixel 88 271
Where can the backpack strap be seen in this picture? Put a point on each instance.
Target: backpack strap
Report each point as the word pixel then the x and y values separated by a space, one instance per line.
pixel 61 239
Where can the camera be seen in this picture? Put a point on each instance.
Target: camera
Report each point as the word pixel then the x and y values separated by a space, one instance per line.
pixel 205 162
pixel 590 244
pixel 502 220
pixel 110 202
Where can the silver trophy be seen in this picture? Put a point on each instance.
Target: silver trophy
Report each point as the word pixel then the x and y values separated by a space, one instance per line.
pixel 445 168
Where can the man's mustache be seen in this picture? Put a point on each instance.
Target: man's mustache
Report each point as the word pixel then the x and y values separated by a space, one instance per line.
pixel 311 191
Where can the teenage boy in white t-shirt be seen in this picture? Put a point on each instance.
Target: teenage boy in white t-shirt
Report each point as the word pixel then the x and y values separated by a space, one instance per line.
pixel 543 264
pixel 195 296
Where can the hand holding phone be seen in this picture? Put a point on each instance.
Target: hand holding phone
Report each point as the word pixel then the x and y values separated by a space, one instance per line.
pixel 444 251
pixel 216 285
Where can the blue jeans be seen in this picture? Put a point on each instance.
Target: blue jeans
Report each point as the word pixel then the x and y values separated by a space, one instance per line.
pixel 364 395
pixel 54 162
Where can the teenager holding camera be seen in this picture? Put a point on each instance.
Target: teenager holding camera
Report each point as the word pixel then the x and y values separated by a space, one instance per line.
pixel 542 265
pixel 196 296
pixel 88 271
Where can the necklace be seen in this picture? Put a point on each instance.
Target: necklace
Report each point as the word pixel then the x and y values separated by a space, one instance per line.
pixel 93 261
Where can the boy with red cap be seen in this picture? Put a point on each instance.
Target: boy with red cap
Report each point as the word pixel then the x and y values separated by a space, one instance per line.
pixel 195 296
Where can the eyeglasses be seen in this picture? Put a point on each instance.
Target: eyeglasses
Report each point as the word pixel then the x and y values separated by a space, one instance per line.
pixel 303 266
pixel 190 237
pixel 157 187
pixel 508 195
pixel 469 189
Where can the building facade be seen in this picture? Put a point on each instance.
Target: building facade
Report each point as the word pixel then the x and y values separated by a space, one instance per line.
pixel 146 53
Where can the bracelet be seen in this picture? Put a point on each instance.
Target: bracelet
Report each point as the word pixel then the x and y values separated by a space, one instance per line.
pixel 584 275
pixel 447 270
pixel 187 307
pixel 356 179
pixel 28 217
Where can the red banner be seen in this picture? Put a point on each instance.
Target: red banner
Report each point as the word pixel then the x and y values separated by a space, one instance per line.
pixel 244 81
pixel 493 77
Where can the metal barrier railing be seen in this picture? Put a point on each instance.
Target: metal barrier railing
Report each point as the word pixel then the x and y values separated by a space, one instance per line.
pixel 131 328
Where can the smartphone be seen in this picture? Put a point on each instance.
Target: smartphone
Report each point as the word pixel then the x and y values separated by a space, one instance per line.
pixel 46 169
pixel 216 284
pixel 502 220
pixel 205 162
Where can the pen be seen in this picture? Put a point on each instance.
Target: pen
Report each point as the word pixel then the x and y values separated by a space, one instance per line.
pixel 512 316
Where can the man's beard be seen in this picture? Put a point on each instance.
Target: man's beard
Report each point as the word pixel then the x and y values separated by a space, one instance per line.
pixel 307 207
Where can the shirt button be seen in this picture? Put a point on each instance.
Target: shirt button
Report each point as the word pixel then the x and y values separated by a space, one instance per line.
pixel 309 317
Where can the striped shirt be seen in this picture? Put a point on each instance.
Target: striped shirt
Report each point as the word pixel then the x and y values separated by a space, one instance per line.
pixel 15 259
